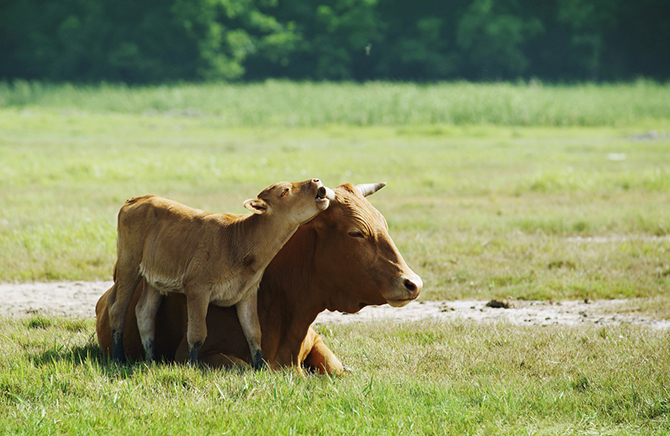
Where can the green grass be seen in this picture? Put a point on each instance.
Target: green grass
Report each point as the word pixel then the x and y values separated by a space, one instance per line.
pixel 486 198
pixel 287 104
pixel 477 211
pixel 413 378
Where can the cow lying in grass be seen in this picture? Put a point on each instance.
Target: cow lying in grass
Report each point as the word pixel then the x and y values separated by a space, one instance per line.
pixel 210 258
pixel 344 259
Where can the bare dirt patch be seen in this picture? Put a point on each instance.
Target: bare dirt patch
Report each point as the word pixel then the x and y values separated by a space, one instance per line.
pixel 77 299
pixel 64 299
pixel 537 313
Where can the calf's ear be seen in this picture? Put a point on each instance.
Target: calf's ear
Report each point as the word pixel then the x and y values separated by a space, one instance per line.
pixel 256 205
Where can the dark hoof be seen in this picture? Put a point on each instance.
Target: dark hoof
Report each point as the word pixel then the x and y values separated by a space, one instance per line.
pixel 150 351
pixel 117 347
pixel 193 353
pixel 258 362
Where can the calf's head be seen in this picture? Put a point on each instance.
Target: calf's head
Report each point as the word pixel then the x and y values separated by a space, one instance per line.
pixel 294 202
pixel 355 258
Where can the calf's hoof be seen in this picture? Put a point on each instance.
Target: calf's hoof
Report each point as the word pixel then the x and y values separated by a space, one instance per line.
pixel 150 351
pixel 193 352
pixel 117 347
pixel 258 361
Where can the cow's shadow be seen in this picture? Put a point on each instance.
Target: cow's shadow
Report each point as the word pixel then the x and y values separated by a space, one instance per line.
pixel 90 354
pixel 77 355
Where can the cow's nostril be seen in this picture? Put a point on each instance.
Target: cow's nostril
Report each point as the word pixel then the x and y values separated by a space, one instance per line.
pixel 410 285
pixel 316 180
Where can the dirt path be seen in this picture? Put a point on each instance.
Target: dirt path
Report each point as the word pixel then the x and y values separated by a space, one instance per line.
pixel 79 298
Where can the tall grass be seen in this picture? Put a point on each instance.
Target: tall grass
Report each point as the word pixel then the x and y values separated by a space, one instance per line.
pixel 278 103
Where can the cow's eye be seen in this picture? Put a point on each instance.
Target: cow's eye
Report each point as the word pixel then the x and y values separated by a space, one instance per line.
pixel 355 234
pixel 284 193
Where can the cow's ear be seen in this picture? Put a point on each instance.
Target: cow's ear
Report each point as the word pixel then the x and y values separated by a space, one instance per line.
pixel 256 205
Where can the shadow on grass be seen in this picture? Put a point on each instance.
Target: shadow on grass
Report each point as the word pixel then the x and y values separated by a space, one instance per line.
pixel 59 351
pixel 90 354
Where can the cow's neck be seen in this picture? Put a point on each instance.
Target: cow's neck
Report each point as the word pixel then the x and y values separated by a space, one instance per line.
pixel 288 301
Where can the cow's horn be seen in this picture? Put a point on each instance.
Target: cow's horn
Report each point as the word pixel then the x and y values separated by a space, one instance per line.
pixel 369 188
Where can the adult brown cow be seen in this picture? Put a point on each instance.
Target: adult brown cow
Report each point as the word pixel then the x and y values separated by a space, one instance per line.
pixel 344 260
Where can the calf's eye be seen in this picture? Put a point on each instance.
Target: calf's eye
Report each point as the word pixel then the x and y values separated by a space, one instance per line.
pixel 356 235
pixel 284 193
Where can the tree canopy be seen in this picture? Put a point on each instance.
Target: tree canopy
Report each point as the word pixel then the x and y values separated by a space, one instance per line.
pixel 154 41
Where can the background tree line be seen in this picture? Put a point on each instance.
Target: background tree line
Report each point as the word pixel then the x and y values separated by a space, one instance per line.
pixel 152 41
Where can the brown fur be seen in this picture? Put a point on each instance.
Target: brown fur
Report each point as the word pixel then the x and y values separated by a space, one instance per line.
pixel 210 258
pixel 325 265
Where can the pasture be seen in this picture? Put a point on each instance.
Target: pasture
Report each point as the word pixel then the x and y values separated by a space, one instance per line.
pixel 494 191
pixel 417 378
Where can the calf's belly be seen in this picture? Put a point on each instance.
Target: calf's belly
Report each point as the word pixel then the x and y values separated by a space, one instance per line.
pixel 232 292
pixel 225 291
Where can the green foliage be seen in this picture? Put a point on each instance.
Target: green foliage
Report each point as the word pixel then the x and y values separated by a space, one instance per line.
pixel 205 40
pixel 493 39
pixel 134 42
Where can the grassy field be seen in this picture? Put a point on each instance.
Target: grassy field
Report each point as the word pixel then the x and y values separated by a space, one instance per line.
pixel 423 378
pixel 494 191
pixel 289 104
pixel 479 210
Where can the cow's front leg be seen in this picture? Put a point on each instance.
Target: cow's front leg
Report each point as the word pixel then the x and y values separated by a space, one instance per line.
pixel 196 329
pixel 145 311
pixel 247 312
pixel 319 357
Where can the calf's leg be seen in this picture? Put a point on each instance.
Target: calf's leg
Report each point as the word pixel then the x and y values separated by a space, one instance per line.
pixel 196 326
pixel 247 312
pixel 145 311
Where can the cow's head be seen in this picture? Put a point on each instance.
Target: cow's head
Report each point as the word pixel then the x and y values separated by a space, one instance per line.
pixel 296 203
pixel 356 261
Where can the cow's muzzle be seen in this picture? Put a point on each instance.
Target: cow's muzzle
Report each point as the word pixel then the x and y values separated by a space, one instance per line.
pixel 411 286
